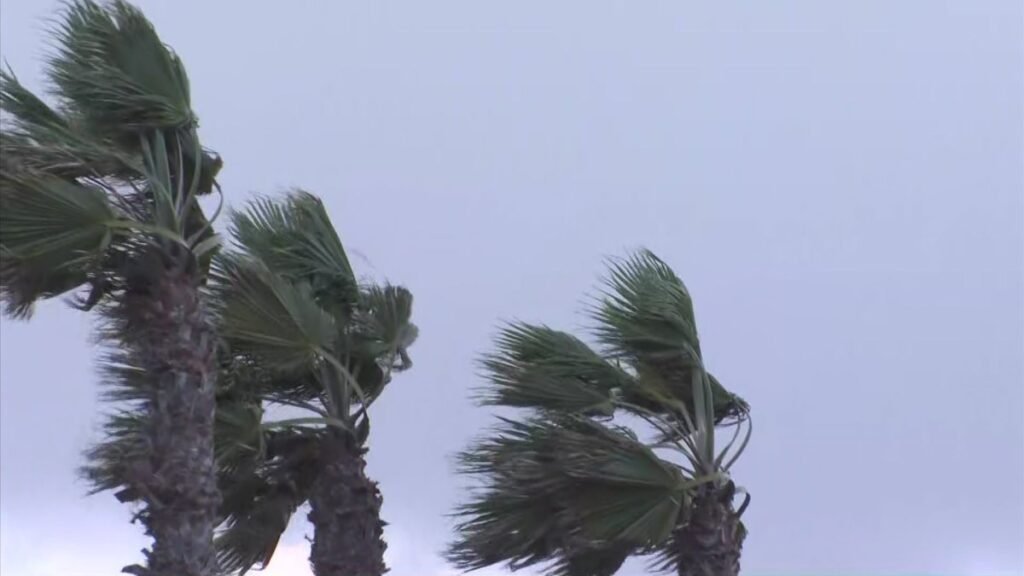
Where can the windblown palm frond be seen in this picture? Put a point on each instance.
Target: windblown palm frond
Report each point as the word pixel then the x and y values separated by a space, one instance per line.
pixel 566 485
pixel 119 75
pixel 646 319
pixel 561 487
pixel 291 304
pixel 39 139
pixel 382 323
pixel 537 367
pixel 295 239
pixel 260 501
pixel 647 313
pixel 264 316
pixel 53 234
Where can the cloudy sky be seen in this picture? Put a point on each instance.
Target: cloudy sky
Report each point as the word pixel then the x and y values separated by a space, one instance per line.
pixel 839 183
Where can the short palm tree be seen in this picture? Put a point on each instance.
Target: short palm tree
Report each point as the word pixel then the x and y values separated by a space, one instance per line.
pixel 616 454
pixel 100 192
pixel 300 331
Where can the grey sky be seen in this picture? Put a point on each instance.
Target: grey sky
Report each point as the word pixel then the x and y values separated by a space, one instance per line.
pixel 840 184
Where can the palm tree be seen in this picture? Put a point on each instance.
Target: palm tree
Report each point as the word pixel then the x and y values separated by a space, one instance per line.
pixel 101 192
pixel 616 455
pixel 302 332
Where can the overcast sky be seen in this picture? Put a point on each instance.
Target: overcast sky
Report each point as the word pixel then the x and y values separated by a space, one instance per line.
pixel 839 183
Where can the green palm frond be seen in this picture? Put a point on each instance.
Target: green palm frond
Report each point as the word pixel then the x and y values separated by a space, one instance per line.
pixel 537 367
pixel 259 503
pixel 114 72
pixel 560 487
pixel 383 326
pixel 247 373
pixel 39 139
pixel 589 451
pixel 269 318
pixel 252 540
pixel 646 314
pixel 27 113
pixel 295 238
pixel 515 515
pixel 377 338
pixel 502 528
pixel 52 234
pixel 239 436
pixel 620 489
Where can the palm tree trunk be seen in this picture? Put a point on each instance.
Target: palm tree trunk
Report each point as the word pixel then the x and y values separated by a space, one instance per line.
pixel 345 513
pixel 709 543
pixel 168 333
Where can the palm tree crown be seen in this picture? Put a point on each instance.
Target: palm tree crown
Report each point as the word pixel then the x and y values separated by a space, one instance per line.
pixel 615 454
pixel 109 173
pixel 301 332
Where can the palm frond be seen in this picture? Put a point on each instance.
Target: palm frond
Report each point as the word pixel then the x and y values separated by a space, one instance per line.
pixel 267 317
pixel 376 338
pixel 295 238
pixel 561 487
pixel 52 235
pixel 623 491
pixel 259 503
pixel 238 433
pixel 646 313
pixel 593 452
pixel 382 325
pixel 250 538
pixel 111 68
pixel 39 139
pixel 537 367
pixel 517 514
pixel 28 114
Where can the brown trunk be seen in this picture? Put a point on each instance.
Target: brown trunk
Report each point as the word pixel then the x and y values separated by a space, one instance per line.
pixel 170 336
pixel 345 513
pixel 709 543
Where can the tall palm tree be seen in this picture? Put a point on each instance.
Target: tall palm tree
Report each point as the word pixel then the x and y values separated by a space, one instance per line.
pixel 100 192
pixel 616 454
pixel 302 332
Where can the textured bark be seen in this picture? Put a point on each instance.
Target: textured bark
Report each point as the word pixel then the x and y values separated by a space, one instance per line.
pixel 169 335
pixel 710 541
pixel 345 513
